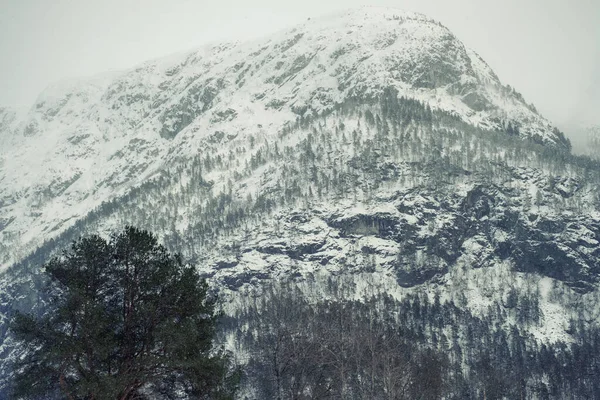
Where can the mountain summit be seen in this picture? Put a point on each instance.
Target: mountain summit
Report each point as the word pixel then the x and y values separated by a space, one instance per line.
pixel 86 141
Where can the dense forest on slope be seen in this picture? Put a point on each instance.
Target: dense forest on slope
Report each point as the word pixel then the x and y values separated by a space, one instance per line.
pixel 418 347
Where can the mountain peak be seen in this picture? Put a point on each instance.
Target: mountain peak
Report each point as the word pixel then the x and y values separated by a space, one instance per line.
pixel 111 133
pixel 370 12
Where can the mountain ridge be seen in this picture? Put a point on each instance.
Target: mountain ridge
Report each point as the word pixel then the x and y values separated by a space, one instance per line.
pixel 75 130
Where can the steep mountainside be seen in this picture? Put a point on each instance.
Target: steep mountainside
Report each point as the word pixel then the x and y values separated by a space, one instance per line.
pixel 85 142
pixel 369 148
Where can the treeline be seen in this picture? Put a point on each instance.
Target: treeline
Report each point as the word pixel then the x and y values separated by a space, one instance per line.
pixel 418 347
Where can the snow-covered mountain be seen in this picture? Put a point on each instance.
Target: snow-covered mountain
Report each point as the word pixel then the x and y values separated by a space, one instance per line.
pixel 370 145
pixel 87 141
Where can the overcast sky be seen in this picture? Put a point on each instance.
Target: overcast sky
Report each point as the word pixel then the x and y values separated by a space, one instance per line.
pixel 549 50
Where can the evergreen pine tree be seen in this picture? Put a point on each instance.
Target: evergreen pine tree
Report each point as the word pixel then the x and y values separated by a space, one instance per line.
pixel 126 320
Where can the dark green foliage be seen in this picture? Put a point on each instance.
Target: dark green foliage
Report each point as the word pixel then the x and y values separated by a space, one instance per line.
pixel 125 320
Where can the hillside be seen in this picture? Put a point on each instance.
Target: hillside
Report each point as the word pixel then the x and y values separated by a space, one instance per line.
pixel 364 155
pixel 88 141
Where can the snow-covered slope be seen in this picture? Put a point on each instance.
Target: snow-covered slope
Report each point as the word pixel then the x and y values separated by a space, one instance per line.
pixel 369 147
pixel 86 141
